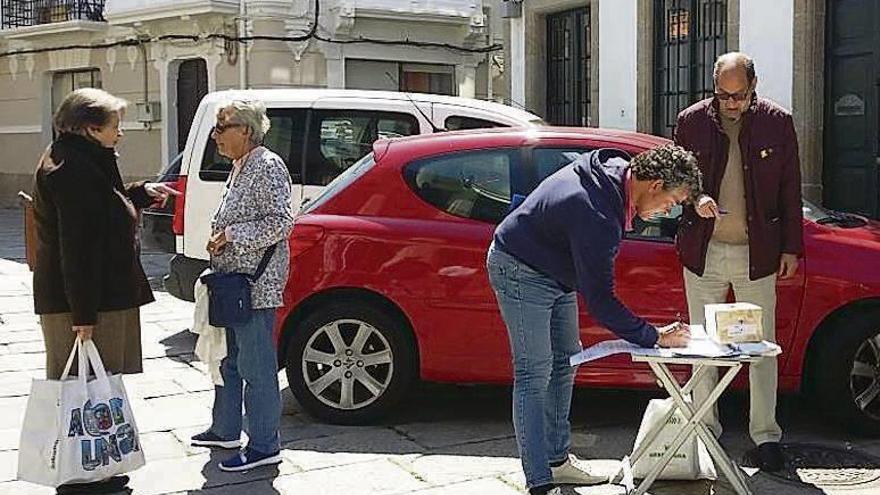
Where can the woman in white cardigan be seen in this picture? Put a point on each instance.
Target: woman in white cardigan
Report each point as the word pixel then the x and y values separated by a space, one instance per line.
pixel 254 215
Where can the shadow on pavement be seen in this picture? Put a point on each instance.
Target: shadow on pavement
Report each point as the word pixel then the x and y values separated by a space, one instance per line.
pixel 182 343
pixel 257 481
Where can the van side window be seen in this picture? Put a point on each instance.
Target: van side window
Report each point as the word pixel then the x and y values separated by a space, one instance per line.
pixel 285 137
pixel 339 138
pixel 459 123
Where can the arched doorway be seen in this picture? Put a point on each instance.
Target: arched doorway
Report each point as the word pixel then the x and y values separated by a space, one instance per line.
pixel 192 86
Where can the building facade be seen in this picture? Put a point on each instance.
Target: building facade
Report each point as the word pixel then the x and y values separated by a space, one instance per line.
pixel 639 62
pixel 164 55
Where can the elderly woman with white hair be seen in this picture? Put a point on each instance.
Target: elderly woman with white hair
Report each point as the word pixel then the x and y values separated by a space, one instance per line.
pixel 254 219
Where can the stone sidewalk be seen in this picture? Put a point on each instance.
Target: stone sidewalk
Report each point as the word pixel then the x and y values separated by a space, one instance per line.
pixel 442 440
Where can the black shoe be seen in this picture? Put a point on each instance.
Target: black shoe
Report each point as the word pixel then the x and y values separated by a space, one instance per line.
pixel 110 485
pixel 545 490
pixel 769 457
pixel 209 439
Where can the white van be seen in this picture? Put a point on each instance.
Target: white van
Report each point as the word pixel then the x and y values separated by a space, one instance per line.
pixel 319 133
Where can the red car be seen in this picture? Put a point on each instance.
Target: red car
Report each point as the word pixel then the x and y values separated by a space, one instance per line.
pixel 388 280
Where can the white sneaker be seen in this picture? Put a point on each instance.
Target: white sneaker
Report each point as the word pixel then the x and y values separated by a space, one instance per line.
pixel 576 472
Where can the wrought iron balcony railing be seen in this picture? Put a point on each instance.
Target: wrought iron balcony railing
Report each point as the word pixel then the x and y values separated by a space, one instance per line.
pixel 21 13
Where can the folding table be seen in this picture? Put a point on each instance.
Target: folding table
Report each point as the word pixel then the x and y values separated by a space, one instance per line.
pixel 694 426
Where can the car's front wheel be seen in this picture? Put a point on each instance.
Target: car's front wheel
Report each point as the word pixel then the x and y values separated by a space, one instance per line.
pixel 350 363
pixel 847 373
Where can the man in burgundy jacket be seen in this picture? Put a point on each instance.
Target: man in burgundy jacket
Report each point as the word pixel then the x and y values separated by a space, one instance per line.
pixel 746 229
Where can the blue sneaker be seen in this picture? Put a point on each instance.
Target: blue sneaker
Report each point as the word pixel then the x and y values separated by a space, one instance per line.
pixel 210 439
pixel 249 458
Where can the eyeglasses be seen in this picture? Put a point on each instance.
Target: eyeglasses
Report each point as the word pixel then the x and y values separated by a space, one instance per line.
pixel 221 128
pixel 723 96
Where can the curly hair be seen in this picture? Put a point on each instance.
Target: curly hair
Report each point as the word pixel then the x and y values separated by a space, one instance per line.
pixel 673 165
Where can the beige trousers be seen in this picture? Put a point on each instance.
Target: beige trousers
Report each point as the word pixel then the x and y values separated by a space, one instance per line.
pixel 117 336
pixel 728 265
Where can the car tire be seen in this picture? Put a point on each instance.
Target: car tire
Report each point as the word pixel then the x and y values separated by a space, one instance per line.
pixel 847 374
pixel 350 363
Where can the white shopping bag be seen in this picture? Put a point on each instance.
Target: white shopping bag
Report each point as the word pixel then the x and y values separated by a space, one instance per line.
pixel 691 462
pixel 76 430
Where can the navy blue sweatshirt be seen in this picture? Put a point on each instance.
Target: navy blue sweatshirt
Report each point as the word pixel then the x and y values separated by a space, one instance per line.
pixel 570 227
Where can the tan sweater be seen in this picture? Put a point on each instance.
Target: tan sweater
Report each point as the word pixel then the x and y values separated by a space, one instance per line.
pixel 732 227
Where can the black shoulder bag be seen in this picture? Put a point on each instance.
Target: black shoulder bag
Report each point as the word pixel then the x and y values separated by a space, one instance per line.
pixel 229 294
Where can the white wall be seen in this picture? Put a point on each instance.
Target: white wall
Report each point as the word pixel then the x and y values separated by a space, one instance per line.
pixel 517 62
pixel 617 64
pixel 767 34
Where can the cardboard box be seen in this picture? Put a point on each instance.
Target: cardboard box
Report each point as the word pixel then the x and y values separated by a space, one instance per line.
pixel 734 323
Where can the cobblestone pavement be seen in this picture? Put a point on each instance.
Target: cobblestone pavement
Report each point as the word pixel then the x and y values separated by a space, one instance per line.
pixel 443 439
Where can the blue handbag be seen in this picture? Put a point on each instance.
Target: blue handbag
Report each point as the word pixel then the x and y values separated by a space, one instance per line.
pixel 229 294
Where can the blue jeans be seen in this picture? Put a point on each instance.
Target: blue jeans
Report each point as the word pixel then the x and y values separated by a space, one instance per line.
pixel 251 367
pixel 542 323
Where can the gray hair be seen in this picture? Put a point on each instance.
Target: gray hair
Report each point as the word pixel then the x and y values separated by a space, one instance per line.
pixel 251 114
pixel 734 60
pixel 84 108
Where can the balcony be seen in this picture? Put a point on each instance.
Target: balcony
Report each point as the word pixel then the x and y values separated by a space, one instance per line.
pixel 440 11
pixel 138 11
pixel 26 13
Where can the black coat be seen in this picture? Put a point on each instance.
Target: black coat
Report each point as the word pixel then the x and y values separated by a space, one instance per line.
pixel 88 258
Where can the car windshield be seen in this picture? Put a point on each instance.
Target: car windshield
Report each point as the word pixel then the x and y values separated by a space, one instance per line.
pixel 341 181
pixel 171 171
pixel 814 212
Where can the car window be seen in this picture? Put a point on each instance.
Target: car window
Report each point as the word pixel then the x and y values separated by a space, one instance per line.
pixel 473 184
pixel 460 122
pixel 548 160
pixel 339 138
pixel 285 138
pixel 658 228
pixel 341 182
pixel 171 172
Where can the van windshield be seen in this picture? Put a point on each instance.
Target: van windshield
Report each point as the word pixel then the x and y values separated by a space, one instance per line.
pixel 341 181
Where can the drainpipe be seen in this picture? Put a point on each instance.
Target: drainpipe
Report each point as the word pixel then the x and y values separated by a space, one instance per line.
pixel 517 62
pixel 490 58
pixel 146 83
pixel 243 58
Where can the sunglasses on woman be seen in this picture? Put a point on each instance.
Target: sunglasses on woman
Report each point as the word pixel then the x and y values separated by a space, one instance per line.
pixel 221 128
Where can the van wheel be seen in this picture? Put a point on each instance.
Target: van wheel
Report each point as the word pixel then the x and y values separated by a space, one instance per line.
pixel 350 363
pixel 847 374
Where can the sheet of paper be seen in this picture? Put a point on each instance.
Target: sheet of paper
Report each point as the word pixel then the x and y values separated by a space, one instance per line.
pixel 602 349
pixel 610 347
pixel 702 346
pixel 762 348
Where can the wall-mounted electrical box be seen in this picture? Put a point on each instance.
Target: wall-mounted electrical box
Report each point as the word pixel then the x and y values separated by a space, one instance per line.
pixel 150 111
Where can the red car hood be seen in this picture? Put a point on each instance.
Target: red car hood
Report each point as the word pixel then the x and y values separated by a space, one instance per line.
pixel 869 232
